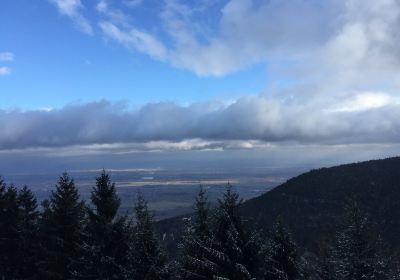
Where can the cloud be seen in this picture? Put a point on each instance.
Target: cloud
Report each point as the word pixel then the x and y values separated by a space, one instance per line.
pixel 364 52
pixel 135 39
pixel 343 57
pixel 246 32
pixel 365 101
pixel 6 56
pixel 4 71
pixel 249 121
pixel 73 10
pixel 132 3
pixel 349 38
pixel 249 33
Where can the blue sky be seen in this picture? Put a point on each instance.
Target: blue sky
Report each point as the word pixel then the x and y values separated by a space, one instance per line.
pixel 56 64
pixel 89 77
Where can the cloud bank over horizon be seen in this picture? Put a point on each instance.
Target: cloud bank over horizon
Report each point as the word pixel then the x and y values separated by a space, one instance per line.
pixel 249 122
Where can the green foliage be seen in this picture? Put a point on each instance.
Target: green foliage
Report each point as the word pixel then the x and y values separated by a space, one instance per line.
pixel 105 200
pixel 196 242
pixel 61 231
pixel 281 260
pixel 234 239
pixel 106 243
pixel 18 233
pixel 312 204
pixel 28 234
pixel 202 211
pixel 9 231
pixel 66 240
pixel 148 260
pixel 358 252
pixel 223 250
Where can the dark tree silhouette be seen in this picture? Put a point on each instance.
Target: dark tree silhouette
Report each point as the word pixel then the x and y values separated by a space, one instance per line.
pixel 358 252
pixel 61 231
pixel 9 231
pixel 108 236
pixel 148 260
pixel 197 241
pixel 281 261
pixel 228 251
pixel 28 234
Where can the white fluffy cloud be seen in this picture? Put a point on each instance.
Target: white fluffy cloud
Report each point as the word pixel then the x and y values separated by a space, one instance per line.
pixel 246 32
pixel 6 57
pixel 135 39
pixel 210 38
pixel 73 10
pixel 4 70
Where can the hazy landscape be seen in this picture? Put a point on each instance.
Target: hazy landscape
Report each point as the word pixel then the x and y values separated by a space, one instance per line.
pixel 170 192
pixel 200 140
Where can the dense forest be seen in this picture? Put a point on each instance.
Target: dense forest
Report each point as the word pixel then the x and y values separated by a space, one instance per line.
pixel 66 238
pixel 312 204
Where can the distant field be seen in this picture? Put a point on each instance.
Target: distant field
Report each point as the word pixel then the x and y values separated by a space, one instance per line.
pixel 170 192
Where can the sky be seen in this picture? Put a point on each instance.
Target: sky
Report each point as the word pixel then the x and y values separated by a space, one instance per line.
pixel 243 77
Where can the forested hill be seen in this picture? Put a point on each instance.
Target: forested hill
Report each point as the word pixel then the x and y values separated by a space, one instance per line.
pixel 311 204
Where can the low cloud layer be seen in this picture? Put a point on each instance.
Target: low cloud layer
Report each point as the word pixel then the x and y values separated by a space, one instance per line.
pixel 246 123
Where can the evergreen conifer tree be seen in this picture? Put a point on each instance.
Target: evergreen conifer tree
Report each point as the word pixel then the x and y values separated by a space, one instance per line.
pixel 3 219
pixel 280 256
pixel 107 241
pixel 61 231
pixel 238 244
pixel 229 251
pixel 148 260
pixel 197 241
pixel 105 200
pixel 9 231
pixel 202 220
pixel 28 234
pixel 358 253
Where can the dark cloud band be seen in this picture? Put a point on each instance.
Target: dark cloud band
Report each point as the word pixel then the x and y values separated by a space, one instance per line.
pixel 250 118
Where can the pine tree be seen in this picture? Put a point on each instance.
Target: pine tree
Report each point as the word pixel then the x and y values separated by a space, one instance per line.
pixel 9 231
pixel 105 200
pixel 148 260
pixel 358 253
pixel 107 241
pixel 61 231
pixel 3 219
pixel 202 211
pixel 325 263
pixel 193 261
pixel 227 251
pixel 280 256
pixel 27 249
pixel 238 244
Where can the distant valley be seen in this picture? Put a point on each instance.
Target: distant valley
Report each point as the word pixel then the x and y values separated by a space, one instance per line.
pixel 170 192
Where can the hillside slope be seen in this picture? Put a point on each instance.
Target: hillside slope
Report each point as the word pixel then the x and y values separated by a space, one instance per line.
pixel 311 204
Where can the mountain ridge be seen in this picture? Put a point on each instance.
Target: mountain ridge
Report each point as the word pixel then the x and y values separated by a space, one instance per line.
pixel 311 204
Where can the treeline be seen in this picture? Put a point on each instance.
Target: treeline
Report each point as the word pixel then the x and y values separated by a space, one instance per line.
pixel 66 239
